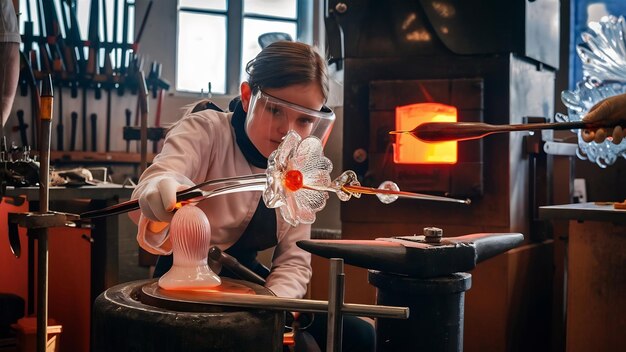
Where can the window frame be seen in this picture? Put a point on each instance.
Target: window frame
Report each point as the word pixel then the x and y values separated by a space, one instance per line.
pixel 234 36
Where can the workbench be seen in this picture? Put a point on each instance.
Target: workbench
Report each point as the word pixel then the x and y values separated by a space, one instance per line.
pixel 83 261
pixel 595 279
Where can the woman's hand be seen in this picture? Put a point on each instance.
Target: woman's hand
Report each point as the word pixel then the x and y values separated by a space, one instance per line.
pixel 159 199
pixel 612 109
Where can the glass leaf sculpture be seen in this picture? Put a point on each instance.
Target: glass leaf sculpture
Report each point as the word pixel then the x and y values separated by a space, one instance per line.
pixel 603 54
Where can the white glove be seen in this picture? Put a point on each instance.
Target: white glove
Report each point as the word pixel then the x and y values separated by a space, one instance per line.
pixel 612 109
pixel 159 199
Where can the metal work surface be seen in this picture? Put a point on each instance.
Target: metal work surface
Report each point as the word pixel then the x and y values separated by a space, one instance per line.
pixel 103 191
pixel 154 295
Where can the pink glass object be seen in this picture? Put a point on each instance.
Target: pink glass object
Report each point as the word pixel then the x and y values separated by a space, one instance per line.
pixel 190 235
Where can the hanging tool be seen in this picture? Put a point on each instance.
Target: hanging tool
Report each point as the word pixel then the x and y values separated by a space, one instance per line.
pixel 124 44
pixel 22 126
pixel 128 115
pixel 27 74
pixel 143 105
pixel 45 58
pixel 60 123
pixel 73 126
pixel 94 129
pixel 42 234
pixel 83 126
pixel 461 131
pixel 114 35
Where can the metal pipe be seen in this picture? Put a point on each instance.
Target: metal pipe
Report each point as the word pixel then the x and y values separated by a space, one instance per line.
pixel 271 302
pixel 143 105
pixel 46 108
pixel 336 286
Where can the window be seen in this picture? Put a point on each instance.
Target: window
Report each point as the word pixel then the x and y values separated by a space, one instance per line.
pixel 206 27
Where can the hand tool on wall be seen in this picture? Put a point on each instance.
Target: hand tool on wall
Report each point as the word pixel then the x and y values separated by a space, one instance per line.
pixel 83 126
pixel 45 58
pixel 108 121
pixel 122 66
pixel 27 74
pixel 74 122
pixel 54 38
pixel 76 43
pixel 94 130
pixel 22 126
pixel 142 27
pixel 128 116
pixel 114 35
pixel 143 103
pixel 60 122
pixel 42 234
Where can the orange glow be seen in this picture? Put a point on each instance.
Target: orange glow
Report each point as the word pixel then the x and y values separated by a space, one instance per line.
pixel 410 150
pixel 293 180
pixel 226 286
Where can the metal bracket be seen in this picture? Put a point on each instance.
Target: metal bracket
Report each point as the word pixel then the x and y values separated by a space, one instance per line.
pixel 556 148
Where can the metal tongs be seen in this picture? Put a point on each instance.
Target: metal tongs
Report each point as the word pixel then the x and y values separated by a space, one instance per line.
pixel 254 182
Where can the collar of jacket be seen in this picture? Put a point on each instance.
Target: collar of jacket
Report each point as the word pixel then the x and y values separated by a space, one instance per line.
pixel 252 155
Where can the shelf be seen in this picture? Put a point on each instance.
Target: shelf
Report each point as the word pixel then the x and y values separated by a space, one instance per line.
pixel 97 157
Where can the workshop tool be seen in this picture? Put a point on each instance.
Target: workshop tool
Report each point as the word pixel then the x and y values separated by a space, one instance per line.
pixel 45 58
pixel 462 131
pixel 108 120
pixel 142 97
pixel 38 223
pixel 144 20
pixel 22 126
pixel 94 132
pixel 116 63
pixel 128 115
pixel 219 186
pixel 27 74
pixel 60 121
pixel 54 37
pixel 74 122
pixel 425 273
pixel 83 126
pixel 123 65
pixel 234 266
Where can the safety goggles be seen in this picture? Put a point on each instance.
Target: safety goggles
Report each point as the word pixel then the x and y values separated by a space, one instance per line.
pixel 273 117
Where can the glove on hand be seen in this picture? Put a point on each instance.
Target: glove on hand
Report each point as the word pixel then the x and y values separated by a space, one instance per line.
pixel 612 109
pixel 159 199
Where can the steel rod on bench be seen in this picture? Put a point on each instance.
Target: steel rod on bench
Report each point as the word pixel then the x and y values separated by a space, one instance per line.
pixel 42 233
pixel 336 286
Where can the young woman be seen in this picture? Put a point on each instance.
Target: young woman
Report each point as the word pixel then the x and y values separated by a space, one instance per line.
pixel 286 90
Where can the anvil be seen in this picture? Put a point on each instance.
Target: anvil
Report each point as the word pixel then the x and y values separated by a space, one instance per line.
pixel 416 256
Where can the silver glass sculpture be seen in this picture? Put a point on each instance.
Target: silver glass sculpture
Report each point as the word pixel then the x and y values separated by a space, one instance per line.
pixel 603 55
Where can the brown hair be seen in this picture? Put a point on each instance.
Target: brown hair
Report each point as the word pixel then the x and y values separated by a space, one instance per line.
pixel 285 63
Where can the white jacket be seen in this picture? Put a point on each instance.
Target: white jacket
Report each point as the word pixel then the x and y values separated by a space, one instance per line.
pixel 202 146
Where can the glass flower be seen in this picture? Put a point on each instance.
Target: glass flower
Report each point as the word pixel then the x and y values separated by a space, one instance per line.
pixel 603 55
pixel 297 175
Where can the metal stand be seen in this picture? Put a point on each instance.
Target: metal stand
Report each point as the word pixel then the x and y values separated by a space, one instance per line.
pixel 438 302
pixel 39 222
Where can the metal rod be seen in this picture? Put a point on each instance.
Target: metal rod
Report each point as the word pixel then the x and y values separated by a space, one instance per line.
pixel 273 303
pixel 143 103
pixel 336 286
pixel 46 107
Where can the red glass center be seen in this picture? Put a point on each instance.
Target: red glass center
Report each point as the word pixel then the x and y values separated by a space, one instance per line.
pixel 293 180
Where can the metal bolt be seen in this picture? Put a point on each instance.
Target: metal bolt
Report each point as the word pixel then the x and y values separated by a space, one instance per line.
pixel 432 234
pixel 341 7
